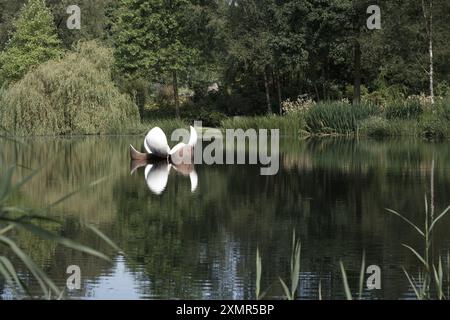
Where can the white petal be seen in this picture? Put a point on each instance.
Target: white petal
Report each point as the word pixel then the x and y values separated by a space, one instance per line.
pixel 157 176
pixel 193 137
pixel 194 180
pixel 156 142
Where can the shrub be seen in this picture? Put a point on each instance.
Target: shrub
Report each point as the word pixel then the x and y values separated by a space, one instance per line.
pixel 411 108
pixel 443 108
pixel 288 125
pixel 337 117
pixel 432 126
pixel 302 104
pixel 74 95
pixel 377 126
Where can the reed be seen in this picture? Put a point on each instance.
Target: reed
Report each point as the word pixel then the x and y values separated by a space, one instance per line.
pixel 289 292
pixel 337 117
pixel 430 272
pixel 289 125
pixel 347 290
pixel 18 218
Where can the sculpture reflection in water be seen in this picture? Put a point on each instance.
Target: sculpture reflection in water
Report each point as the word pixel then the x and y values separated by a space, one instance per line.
pixel 156 173
pixel 159 159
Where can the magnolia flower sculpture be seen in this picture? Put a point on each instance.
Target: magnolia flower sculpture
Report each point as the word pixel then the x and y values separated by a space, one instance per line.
pixel 159 160
pixel 155 143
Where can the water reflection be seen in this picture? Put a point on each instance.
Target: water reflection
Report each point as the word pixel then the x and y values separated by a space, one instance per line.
pixel 156 173
pixel 199 245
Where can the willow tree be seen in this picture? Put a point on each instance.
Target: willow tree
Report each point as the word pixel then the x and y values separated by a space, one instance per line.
pixel 33 41
pixel 150 40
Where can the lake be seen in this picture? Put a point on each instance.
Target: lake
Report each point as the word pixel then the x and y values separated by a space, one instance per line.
pixel 197 237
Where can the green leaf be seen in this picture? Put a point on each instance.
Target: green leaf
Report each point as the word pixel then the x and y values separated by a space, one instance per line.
pixel 348 293
pixel 105 238
pixel 8 266
pixel 47 235
pixel 412 284
pixel 320 290
pixel 361 275
pixel 65 197
pixel 286 290
pixel 296 270
pixel 407 221
pixel 417 255
pixel 258 273
pixel 439 218
pixel 5 183
pixel 43 280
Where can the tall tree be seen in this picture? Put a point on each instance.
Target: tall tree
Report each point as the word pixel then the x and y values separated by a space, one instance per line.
pixel 150 40
pixel 264 40
pixel 33 41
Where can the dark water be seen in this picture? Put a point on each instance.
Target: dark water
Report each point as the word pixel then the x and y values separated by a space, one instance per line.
pixel 202 244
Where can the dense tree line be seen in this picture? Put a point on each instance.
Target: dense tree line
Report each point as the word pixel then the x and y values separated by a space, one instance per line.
pixel 259 52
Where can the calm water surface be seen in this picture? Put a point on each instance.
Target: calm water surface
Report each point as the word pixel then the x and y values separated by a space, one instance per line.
pixel 201 244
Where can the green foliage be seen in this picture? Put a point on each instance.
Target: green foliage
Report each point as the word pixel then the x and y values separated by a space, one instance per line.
pixel 209 118
pixel 291 125
pixel 95 20
pixel 409 109
pixel 74 95
pixel 377 126
pixel 148 37
pixel 15 218
pixel 290 293
pixel 337 117
pixel 34 41
pixel 443 108
pixel 428 272
pixel 432 126
pixel 167 125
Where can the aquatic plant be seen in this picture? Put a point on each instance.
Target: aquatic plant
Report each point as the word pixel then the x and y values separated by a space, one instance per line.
pixel 337 117
pixel 348 292
pixel 16 218
pixel 292 124
pixel 430 272
pixel 294 269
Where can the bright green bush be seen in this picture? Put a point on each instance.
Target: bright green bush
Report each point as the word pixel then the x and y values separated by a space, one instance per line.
pixel 74 95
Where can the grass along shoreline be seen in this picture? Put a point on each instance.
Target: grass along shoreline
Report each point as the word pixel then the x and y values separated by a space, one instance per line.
pixel 406 119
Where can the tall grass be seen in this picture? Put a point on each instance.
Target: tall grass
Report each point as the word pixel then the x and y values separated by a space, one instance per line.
pixel 430 272
pixel 337 117
pixel 404 118
pixel 288 125
pixel 347 290
pixel 289 291
pixel 18 218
